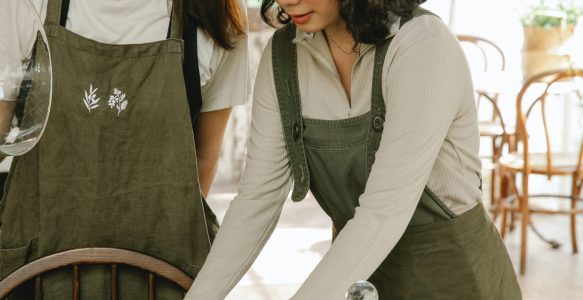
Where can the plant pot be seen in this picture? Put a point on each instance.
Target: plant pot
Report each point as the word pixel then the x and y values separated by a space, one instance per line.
pixel 543 49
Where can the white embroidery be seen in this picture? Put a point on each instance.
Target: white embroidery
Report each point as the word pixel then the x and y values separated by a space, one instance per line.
pixel 118 100
pixel 91 99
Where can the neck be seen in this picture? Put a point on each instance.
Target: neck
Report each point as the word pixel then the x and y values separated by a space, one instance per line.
pixel 339 31
pixel 340 34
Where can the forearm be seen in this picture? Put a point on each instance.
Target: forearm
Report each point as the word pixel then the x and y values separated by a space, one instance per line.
pixel 356 253
pixel 246 228
pixel 207 169
pixel 248 224
pixel 209 132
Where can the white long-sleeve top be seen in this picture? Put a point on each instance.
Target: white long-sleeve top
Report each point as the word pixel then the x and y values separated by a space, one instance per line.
pixel 430 138
pixel 224 73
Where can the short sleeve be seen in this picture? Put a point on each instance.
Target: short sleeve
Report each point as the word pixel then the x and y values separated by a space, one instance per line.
pixel 224 74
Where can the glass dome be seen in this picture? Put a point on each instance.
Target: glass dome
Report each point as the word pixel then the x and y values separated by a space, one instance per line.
pixel 25 80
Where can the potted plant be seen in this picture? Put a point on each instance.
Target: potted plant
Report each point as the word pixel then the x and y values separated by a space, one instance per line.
pixel 548 26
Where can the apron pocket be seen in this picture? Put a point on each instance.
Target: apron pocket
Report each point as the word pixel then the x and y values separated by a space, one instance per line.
pixel 13 258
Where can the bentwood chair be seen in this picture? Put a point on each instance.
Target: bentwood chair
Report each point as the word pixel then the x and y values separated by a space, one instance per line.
pixel 486 57
pixel 538 96
pixel 111 257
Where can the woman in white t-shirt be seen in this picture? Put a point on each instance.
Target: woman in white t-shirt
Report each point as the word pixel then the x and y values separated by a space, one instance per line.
pixel 120 170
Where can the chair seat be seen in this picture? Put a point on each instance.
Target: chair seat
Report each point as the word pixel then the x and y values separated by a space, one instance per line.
pixel 562 163
pixel 493 128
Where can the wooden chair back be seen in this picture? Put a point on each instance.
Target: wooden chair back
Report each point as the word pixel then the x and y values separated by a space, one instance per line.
pixel 549 80
pixel 94 256
pixel 492 58
pixel 485 48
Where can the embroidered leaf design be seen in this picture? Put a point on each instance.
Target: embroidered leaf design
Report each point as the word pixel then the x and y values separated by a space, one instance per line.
pixel 112 101
pixel 118 100
pixel 91 101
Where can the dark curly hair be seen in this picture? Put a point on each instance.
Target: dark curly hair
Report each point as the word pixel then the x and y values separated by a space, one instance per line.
pixel 369 21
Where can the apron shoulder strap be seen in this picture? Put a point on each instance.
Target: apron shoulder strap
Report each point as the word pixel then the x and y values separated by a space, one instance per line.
pixel 285 73
pixel 57 12
pixel 178 17
pixel 190 65
pixel 378 107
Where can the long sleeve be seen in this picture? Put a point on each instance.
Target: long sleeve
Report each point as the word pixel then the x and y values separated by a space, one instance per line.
pixel 425 86
pixel 253 214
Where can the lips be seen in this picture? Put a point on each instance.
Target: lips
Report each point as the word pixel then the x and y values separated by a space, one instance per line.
pixel 301 18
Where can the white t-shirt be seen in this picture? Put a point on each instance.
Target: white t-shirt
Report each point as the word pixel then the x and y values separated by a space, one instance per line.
pixel 224 73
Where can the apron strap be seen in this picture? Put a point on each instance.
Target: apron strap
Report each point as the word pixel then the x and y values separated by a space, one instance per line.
pixel 57 12
pixel 191 73
pixel 378 108
pixel 181 27
pixel 285 73
pixel 430 208
pixel 377 103
pixel 177 17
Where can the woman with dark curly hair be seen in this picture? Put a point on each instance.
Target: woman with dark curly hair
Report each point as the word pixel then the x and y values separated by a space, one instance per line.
pixel 369 105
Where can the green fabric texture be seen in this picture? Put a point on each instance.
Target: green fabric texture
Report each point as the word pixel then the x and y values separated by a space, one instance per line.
pixel 109 173
pixel 441 255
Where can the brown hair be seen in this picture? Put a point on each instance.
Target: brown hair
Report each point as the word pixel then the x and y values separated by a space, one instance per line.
pixel 223 20
pixel 369 21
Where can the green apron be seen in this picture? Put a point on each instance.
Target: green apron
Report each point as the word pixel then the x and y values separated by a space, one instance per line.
pixel 440 255
pixel 116 166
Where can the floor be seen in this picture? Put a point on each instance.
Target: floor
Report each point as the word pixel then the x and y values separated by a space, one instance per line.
pixel 302 237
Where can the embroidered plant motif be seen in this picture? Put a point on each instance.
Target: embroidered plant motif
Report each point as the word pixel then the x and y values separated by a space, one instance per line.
pixel 91 100
pixel 118 100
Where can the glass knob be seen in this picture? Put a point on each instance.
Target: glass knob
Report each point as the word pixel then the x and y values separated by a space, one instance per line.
pixel 362 290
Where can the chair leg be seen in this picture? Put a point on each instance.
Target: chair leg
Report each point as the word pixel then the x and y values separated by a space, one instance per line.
pixel 523 239
pixel 498 194
pixel 573 216
pixel 497 187
pixel 493 192
pixel 525 212
pixel 505 186
pixel 512 225
pixel 512 184
pixel 503 224
pixel 495 157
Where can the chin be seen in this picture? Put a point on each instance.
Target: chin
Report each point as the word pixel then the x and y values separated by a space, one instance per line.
pixel 310 28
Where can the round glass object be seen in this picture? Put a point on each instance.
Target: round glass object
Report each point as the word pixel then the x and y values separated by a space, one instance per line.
pixel 362 290
pixel 25 80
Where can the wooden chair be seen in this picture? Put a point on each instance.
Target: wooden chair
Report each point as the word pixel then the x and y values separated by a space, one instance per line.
pixel 94 256
pixel 492 60
pixel 526 162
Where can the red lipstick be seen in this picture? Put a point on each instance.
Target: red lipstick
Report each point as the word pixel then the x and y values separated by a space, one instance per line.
pixel 301 19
